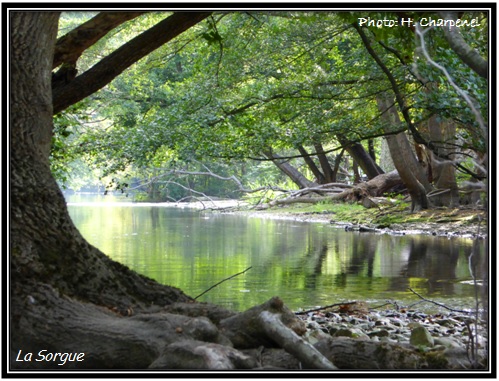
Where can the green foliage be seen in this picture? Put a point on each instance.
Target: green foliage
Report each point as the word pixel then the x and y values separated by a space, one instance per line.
pixel 243 83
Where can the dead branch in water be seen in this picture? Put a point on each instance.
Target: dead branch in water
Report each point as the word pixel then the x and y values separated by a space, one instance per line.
pixel 215 285
pixel 437 303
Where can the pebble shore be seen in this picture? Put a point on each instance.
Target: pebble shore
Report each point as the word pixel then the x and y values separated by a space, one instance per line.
pixel 425 331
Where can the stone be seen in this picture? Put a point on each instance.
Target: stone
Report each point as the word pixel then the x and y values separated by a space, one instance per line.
pixel 421 337
pixel 314 336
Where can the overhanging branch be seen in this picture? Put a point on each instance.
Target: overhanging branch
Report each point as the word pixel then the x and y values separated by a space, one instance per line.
pixel 114 64
pixel 70 47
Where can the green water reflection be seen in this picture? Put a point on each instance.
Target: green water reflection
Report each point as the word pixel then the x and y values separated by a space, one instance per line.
pixel 306 264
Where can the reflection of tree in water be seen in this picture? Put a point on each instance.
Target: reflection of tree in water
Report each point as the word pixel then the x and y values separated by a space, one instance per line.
pixel 363 254
pixel 316 254
pixel 434 259
pixel 363 251
pixel 154 217
pixel 361 258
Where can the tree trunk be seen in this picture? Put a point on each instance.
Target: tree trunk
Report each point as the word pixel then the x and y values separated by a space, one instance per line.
pixel 290 171
pixel 311 165
pixel 336 167
pixel 363 159
pixel 326 167
pixel 443 170
pixel 404 159
pixel 47 251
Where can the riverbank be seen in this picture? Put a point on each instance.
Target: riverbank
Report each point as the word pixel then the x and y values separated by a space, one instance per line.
pixel 392 219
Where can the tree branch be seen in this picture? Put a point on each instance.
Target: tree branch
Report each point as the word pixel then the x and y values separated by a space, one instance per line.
pixel 114 64
pixel 437 303
pixel 398 95
pixel 458 44
pixel 69 47
pixel 478 117
pixel 292 343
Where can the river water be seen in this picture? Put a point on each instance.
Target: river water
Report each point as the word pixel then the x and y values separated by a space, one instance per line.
pixel 306 264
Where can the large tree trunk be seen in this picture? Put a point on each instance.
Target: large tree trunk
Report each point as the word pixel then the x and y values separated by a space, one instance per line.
pixel 404 160
pixel 47 251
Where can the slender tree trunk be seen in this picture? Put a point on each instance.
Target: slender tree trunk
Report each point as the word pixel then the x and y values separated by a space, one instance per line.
pixel 363 159
pixel 337 162
pixel 370 146
pixel 443 171
pixel 356 175
pixel 311 165
pixel 290 171
pixel 324 162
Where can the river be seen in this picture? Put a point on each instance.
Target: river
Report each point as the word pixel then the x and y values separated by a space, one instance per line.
pixel 306 264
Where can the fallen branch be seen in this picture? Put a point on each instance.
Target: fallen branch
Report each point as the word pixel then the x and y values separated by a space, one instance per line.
pixel 292 343
pixel 437 303
pixel 215 285
pixel 372 188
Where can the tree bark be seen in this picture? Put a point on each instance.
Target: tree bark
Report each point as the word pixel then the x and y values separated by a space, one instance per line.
pixel 443 170
pixel 110 67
